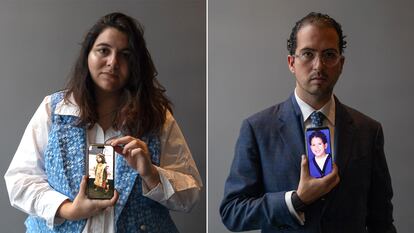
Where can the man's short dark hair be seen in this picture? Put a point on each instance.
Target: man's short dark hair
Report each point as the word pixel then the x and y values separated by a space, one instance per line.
pixel 318 134
pixel 315 19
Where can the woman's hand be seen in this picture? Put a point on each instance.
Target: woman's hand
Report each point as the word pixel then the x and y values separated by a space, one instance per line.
pixel 137 155
pixel 83 207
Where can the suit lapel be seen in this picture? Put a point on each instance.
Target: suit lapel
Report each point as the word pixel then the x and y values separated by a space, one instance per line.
pixel 344 131
pixel 291 130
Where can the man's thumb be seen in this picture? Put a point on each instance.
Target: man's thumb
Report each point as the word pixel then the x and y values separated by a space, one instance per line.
pixel 304 170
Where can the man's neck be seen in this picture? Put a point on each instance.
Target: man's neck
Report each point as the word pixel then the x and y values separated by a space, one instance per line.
pixel 315 101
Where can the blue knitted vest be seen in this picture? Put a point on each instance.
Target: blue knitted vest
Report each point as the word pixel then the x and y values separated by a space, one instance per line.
pixel 64 166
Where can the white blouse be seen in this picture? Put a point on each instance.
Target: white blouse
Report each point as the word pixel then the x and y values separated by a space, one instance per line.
pixel 29 190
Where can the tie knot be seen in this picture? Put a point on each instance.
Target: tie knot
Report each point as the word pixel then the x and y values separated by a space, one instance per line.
pixel 317 119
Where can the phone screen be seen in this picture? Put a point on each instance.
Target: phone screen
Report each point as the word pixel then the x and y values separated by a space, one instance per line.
pixel 100 171
pixel 319 151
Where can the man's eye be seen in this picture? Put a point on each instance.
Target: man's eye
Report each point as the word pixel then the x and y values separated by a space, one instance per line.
pixel 307 55
pixel 330 55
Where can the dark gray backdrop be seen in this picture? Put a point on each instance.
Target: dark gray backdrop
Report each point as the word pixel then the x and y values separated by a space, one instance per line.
pixel 39 41
pixel 248 72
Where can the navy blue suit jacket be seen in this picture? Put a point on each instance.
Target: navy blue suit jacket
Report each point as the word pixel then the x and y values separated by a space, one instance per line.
pixel 267 164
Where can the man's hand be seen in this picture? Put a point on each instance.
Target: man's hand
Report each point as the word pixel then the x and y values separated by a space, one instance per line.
pixel 311 189
pixel 83 207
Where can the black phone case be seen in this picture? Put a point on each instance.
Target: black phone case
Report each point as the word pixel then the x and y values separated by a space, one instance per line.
pixel 314 169
pixel 101 174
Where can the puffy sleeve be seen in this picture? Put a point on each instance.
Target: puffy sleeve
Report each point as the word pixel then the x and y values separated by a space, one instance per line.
pixel 180 181
pixel 25 178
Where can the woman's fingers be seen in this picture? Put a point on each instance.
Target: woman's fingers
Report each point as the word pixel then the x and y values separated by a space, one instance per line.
pixel 129 144
pixel 83 184
pixel 135 152
pixel 121 141
pixel 134 147
pixel 118 149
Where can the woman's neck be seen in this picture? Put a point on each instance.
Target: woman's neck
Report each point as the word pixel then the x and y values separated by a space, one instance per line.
pixel 107 107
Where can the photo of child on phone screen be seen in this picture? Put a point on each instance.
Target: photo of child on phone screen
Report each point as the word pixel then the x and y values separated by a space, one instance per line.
pixel 101 173
pixel 319 152
pixel 100 169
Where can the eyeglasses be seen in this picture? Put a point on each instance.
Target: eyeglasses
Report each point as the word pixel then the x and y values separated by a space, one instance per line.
pixel 329 58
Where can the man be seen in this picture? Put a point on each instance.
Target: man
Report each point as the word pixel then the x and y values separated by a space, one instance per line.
pixel 269 186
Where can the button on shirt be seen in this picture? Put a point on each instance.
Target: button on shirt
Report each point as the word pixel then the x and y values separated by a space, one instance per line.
pixel 30 192
pixel 328 110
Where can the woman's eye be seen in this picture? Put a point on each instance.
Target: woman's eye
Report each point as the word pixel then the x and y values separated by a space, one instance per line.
pixel 126 54
pixel 103 51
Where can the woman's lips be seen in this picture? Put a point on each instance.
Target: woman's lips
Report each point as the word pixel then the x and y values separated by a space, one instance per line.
pixel 109 75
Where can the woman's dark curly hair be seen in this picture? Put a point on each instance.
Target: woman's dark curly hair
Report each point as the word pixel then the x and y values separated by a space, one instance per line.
pixel 316 19
pixel 143 101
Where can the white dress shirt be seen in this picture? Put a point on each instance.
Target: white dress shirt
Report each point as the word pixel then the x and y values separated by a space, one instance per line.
pixel 320 160
pixel 328 110
pixel 30 192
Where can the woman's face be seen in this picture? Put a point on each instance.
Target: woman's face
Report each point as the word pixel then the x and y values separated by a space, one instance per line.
pixel 318 147
pixel 98 159
pixel 108 60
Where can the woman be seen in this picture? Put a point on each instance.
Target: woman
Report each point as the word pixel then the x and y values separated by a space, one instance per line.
pixel 111 97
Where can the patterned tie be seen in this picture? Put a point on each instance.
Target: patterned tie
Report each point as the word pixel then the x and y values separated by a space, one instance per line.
pixel 317 119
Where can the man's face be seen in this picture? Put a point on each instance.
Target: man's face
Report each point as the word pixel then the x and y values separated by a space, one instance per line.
pixel 315 79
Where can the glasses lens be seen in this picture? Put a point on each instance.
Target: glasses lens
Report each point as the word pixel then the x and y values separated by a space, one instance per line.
pixel 328 58
pixel 307 56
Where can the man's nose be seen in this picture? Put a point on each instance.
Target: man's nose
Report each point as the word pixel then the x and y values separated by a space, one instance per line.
pixel 317 62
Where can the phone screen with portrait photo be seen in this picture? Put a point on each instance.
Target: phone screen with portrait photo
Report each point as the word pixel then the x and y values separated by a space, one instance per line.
pixel 100 171
pixel 319 151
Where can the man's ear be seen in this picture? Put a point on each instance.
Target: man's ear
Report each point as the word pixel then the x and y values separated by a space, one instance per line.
pixel 342 61
pixel 291 62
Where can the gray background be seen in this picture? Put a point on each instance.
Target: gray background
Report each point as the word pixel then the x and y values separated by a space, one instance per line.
pixel 39 41
pixel 248 72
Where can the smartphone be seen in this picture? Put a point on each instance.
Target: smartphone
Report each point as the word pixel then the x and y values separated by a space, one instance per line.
pixel 319 151
pixel 100 163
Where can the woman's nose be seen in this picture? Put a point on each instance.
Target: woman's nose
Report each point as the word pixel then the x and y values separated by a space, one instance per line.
pixel 113 61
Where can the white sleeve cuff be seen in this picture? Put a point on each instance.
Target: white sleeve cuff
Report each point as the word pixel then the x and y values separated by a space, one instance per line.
pixel 299 216
pixel 162 192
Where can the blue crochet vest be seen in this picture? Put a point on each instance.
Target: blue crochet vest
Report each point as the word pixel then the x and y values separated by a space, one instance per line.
pixel 65 166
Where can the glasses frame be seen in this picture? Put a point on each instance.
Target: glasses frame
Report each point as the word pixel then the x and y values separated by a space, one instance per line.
pixel 319 56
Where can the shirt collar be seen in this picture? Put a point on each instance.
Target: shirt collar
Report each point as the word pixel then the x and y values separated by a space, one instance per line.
pixel 328 109
pixel 67 107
